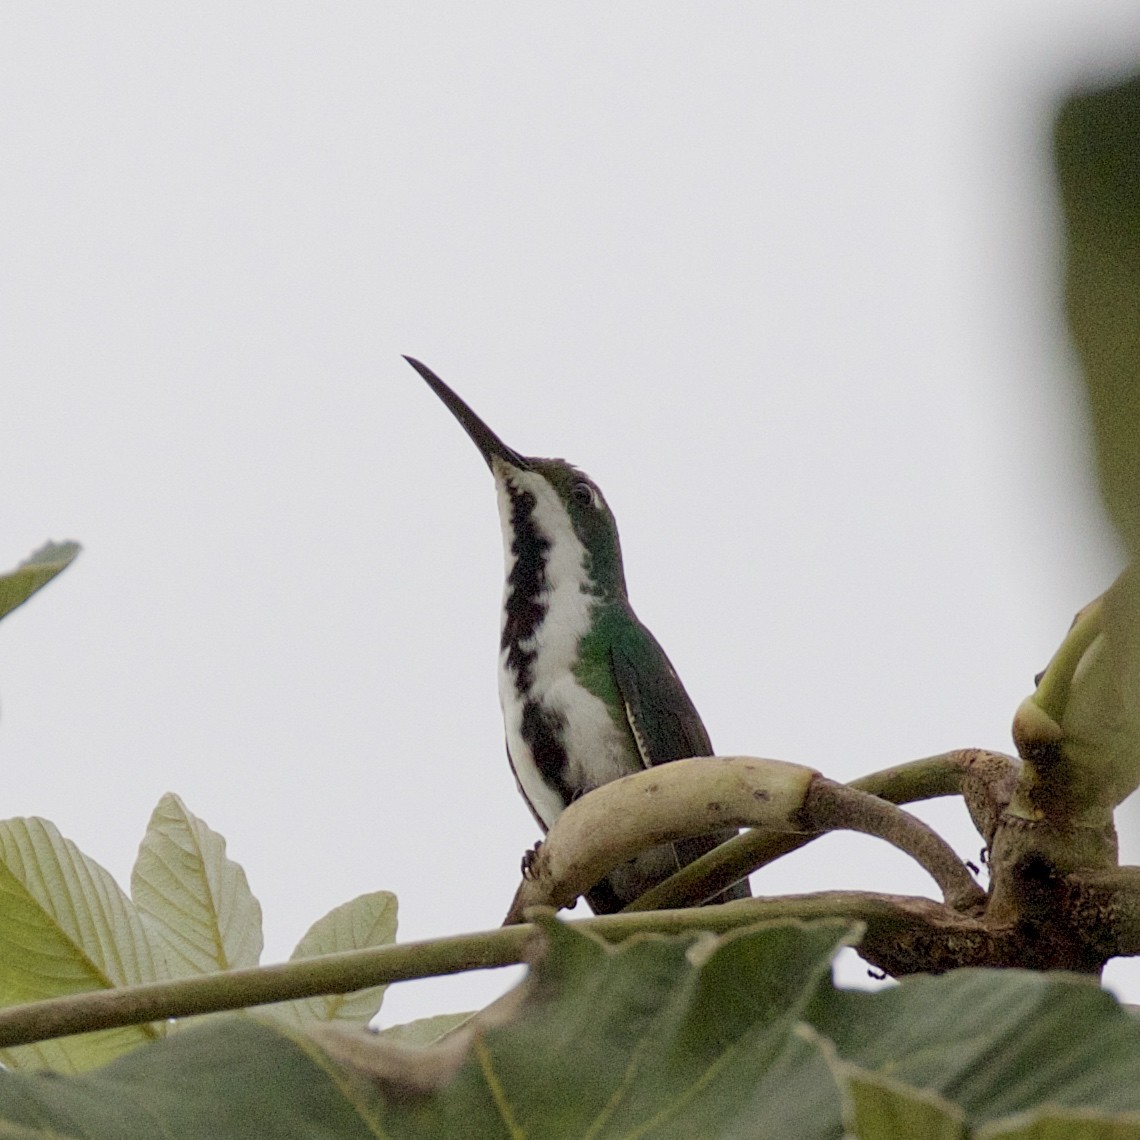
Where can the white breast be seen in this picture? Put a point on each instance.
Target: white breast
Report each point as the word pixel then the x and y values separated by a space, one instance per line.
pixel 592 738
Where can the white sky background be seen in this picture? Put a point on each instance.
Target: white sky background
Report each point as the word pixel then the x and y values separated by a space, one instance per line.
pixel 782 277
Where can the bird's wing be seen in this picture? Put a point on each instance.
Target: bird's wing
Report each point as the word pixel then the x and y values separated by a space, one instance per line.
pixel 662 718
pixel 666 725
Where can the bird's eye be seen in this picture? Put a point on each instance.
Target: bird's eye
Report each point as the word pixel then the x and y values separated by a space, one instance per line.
pixel 583 493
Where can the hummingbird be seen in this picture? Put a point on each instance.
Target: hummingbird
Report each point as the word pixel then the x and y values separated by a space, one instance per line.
pixel 588 694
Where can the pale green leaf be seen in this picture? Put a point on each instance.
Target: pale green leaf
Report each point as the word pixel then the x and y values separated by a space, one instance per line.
pixel 424 1031
pixel 66 927
pixel 73 1055
pixel 35 572
pixel 368 920
pixel 194 899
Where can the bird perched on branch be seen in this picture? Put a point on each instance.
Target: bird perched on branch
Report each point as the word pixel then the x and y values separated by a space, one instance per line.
pixel 587 692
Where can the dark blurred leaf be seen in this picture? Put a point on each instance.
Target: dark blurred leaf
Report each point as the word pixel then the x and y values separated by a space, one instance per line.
pixel 1097 152
pixel 1097 146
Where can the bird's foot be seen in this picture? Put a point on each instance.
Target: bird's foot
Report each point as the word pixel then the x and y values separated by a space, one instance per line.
pixel 528 861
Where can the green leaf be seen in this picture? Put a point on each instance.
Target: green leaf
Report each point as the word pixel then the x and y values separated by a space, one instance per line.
pixel 367 921
pixel 194 899
pixel 34 573
pixel 66 927
pixel 1080 731
pixel 424 1031
pixel 882 1109
pixel 1062 1124
pixel 1097 151
pixel 885 1109
pixel 669 1037
pixel 663 1037
pixel 231 1080
pixel 1097 154
pixel 993 1042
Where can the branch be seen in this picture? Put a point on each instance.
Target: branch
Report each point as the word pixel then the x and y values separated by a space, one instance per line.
pixel 897 926
pixel 833 807
pixel 979 775
pixel 237 989
pixel 693 797
pixel 1108 901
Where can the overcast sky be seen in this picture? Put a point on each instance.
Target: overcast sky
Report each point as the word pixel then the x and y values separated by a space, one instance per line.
pixel 782 277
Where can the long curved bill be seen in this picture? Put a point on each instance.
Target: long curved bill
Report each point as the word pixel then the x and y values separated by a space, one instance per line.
pixel 488 443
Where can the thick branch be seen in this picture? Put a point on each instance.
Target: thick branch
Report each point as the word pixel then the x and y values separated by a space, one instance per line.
pixel 693 797
pixel 1109 902
pixel 979 775
pixel 672 801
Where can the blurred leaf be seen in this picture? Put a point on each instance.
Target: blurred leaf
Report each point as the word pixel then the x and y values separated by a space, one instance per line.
pixel 424 1031
pixel 17 586
pixel 366 921
pixel 1090 695
pixel 66 927
pixel 1097 149
pixel 194 899
pixel 882 1109
pixel 1062 1124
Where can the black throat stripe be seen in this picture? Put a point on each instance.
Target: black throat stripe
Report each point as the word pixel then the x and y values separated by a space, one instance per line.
pixel 525 605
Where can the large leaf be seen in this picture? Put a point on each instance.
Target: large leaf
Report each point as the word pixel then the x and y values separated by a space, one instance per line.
pixel 992 1042
pixel 235 1079
pixel 369 920
pixel 66 927
pixel 668 1037
pixel 17 586
pixel 663 1037
pixel 883 1109
pixel 194 899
